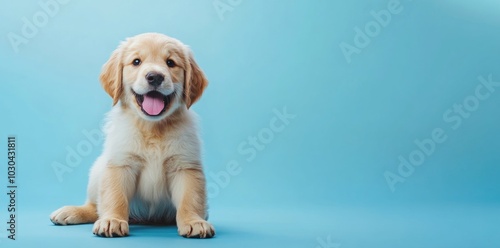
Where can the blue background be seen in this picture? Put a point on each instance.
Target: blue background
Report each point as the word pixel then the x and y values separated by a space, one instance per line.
pixel 322 177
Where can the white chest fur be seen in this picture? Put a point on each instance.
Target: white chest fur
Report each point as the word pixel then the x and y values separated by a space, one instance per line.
pixel 154 159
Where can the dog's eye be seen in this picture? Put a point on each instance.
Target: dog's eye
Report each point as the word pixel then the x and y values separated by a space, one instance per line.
pixel 136 62
pixel 170 63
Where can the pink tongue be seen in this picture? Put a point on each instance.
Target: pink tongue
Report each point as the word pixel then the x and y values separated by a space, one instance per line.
pixel 153 105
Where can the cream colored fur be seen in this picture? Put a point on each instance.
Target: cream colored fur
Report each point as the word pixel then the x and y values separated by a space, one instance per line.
pixel 150 170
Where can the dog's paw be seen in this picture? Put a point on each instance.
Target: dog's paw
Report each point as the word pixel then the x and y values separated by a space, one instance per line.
pixel 197 229
pixel 110 227
pixel 67 215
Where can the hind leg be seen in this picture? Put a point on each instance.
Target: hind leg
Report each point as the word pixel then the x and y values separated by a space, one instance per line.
pixel 86 213
pixel 69 215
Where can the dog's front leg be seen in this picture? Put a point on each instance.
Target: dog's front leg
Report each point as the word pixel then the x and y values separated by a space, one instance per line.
pixel 116 188
pixel 189 198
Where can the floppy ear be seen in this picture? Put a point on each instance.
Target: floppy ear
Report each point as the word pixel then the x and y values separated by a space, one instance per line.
pixel 111 76
pixel 195 81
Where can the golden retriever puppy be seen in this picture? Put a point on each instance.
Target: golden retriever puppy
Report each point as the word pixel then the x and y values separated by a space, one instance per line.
pixel 150 170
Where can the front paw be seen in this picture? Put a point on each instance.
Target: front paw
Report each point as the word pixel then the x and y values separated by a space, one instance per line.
pixel 196 229
pixel 110 227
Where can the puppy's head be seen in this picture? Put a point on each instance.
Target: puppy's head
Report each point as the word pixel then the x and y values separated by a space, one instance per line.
pixel 153 74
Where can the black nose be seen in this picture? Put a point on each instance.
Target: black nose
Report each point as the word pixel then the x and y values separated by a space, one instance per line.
pixel 154 78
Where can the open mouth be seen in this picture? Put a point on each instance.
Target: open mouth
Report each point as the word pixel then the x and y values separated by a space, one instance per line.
pixel 153 103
